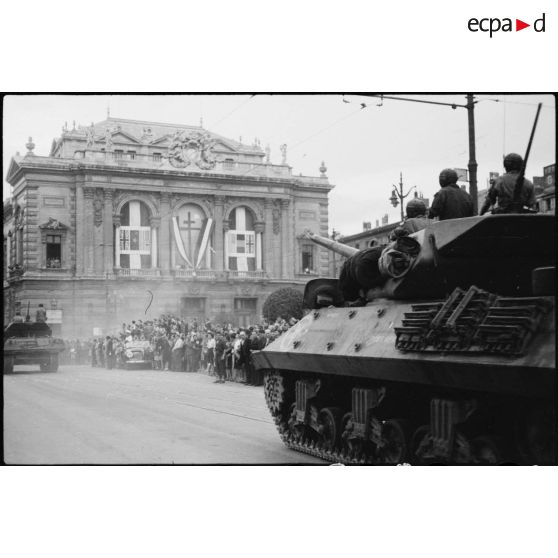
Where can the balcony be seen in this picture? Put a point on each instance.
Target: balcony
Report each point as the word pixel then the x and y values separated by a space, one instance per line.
pixel 247 275
pixel 142 273
pixel 194 274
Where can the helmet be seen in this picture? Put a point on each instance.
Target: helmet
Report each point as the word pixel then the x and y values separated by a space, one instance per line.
pixel 415 207
pixel 512 162
pixel 448 176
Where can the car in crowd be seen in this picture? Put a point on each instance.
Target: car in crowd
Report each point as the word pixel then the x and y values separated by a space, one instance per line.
pixel 137 354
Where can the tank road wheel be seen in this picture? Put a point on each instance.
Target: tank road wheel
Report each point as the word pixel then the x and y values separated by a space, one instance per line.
pixel 296 429
pixel 394 446
pixel 8 365
pixel 329 420
pixel 349 447
pixel 485 451
pixel 420 451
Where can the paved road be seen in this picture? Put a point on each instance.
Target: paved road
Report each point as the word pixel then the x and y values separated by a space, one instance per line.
pixel 96 416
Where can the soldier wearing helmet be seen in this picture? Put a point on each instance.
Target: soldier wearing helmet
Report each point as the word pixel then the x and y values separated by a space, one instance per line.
pixel 501 193
pixel 416 219
pixel 450 202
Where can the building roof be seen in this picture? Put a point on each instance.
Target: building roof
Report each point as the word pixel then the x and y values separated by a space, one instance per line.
pixel 151 133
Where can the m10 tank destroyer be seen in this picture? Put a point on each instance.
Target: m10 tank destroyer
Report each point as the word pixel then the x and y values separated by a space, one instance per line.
pixel 31 343
pixel 449 358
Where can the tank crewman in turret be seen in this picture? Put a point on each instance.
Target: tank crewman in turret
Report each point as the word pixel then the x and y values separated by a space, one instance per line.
pixel 18 318
pixel 416 219
pixel 503 188
pixel 40 315
pixel 450 202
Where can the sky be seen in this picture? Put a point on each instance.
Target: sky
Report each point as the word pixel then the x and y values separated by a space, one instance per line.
pixel 365 148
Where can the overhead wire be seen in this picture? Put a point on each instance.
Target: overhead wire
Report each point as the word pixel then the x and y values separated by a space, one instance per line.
pixel 233 111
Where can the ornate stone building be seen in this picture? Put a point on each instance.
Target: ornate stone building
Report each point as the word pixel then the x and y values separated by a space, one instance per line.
pixel 123 212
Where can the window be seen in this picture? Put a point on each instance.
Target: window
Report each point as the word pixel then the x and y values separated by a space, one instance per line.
pixel 307 258
pixel 192 307
pixel 157 157
pixel 357 245
pixel 53 251
pixel 118 153
pixel 245 304
pixel 19 246
pixel 228 163
pixel 131 155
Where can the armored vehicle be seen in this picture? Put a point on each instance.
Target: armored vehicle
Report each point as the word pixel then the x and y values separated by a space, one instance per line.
pixel 31 343
pixel 449 358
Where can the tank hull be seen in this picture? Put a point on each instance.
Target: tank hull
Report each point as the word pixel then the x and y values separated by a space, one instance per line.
pixel 454 362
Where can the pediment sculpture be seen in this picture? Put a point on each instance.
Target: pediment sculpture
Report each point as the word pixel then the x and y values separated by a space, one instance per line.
pixel 192 148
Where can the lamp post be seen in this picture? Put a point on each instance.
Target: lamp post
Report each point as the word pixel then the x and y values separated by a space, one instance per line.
pixel 397 195
pixel 470 106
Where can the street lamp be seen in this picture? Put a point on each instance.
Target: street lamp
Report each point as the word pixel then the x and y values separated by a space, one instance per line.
pixel 397 195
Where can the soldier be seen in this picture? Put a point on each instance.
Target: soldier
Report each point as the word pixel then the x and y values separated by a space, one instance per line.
pixel 18 318
pixel 503 189
pixel 451 202
pixel 416 219
pixel 41 315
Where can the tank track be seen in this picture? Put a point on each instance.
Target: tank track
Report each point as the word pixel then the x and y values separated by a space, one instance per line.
pixel 274 392
pixel 310 448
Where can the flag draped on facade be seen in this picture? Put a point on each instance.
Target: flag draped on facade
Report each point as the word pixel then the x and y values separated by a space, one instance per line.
pixel 192 235
pixel 241 241
pixel 135 236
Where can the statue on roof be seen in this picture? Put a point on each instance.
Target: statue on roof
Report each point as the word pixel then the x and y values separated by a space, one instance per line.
pixel 90 136
pixel 283 154
pixel 108 140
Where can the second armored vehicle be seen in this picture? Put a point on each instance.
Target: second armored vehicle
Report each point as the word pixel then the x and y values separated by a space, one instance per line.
pixel 31 343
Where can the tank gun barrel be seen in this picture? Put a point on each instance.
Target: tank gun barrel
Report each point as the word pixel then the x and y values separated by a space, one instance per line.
pixel 332 245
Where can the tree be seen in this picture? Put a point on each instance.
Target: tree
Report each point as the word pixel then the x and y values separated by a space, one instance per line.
pixel 283 303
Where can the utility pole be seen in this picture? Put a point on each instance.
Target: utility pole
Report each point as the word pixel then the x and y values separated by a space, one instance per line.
pixel 472 165
pixel 472 155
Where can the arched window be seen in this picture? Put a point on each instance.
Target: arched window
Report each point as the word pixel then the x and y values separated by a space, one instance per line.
pixel 242 252
pixel 192 232
pixel 135 242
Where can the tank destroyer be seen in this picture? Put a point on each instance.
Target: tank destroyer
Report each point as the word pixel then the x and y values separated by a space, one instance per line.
pixel 31 343
pixel 447 359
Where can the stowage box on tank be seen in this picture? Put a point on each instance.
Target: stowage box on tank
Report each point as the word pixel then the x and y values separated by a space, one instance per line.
pixel 452 362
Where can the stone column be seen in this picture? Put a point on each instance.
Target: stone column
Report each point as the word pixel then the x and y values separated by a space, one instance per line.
pixel 219 233
pixel 80 224
pixel 259 227
pixel 226 225
pixel 268 238
pixel 165 245
pixel 155 223
pixel 88 231
pixel 108 233
pixel 285 239
pixel 116 233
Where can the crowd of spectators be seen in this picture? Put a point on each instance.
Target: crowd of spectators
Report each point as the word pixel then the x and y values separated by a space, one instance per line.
pixel 176 344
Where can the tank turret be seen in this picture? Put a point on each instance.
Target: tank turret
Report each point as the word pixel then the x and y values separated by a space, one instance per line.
pixel 450 359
